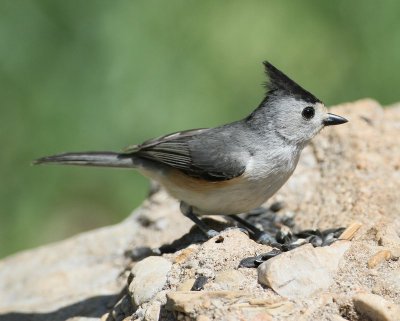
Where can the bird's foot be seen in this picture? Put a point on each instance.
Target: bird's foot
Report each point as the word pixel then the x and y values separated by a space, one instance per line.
pixel 210 233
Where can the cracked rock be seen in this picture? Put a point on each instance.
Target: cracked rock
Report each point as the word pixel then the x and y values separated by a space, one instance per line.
pixel 241 305
pixel 149 277
pixel 302 271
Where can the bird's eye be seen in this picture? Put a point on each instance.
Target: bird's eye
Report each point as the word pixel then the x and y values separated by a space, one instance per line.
pixel 308 112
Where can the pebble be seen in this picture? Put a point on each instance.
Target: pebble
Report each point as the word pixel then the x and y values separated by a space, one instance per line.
pixel 302 271
pixel 230 280
pixel 186 285
pixel 149 277
pixel 376 308
pixel 152 312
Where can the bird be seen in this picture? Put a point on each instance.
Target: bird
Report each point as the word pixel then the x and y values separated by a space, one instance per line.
pixel 230 169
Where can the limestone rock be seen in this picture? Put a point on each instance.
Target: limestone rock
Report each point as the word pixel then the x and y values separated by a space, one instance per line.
pixel 228 305
pixel 302 271
pixel 376 308
pixel 83 275
pixel 149 277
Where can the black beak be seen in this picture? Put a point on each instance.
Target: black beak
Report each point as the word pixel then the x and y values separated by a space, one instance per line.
pixel 333 119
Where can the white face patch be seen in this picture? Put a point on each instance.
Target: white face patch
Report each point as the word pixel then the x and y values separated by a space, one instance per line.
pixel 287 118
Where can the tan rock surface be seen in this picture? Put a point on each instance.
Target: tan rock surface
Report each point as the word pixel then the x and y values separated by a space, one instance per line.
pixel 349 173
pixel 376 308
pixel 303 271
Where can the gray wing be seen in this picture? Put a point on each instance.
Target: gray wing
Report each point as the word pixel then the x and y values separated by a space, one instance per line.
pixel 210 154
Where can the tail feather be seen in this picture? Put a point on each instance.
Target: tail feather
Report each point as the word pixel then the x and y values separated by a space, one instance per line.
pixel 102 159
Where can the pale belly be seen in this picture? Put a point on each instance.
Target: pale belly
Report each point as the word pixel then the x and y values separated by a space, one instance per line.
pixel 238 195
pixel 241 198
pixel 235 196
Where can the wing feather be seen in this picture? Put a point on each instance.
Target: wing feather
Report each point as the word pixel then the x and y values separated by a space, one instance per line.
pixel 197 153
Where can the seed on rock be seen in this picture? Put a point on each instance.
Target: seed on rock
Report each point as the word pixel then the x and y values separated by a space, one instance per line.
pixel 199 283
pixel 266 256
pixel 378 258
pixel 255 261
pixel 335 231
pixel 329 241
pixel 277 206
pixel 315 240
pixel 284 235
pixel 248 262
pixel 307 233
pixel 349 232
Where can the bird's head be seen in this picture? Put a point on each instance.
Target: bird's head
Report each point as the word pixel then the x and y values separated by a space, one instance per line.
pixel 292 112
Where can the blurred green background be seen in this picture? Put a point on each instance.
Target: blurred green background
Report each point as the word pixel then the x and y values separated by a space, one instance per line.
pixel 100 75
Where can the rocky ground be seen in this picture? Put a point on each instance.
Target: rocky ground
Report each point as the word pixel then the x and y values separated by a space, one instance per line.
pixel 153 266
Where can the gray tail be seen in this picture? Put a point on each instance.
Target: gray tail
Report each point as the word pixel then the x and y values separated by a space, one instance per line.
pixel 102 159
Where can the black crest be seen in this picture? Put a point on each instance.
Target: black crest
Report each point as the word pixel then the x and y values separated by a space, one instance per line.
pixel 279 82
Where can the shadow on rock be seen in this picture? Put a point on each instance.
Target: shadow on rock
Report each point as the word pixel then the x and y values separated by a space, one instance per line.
pixel 93 307
pixel 194 236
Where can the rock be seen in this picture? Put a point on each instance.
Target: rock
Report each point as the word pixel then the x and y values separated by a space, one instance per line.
pixel 229 280
pixel 376 308
pixel 153 312
pixel 348 173
pixel 302 271
pixel 390 283
pixel 186 285
pixel 227 252
pixel 183 255
pixel 388 237
pixel 121 309
pixel 336 317
pixel 149 277
pixel 82 275
pixel 228 305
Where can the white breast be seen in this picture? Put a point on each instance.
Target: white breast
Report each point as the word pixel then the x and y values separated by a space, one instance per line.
pixel 263 177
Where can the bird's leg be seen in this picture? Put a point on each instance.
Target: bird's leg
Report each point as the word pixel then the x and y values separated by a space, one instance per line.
pixel 187 210
pixel 260 236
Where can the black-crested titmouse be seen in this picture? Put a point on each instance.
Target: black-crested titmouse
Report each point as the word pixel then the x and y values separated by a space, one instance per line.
pixel 230 169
